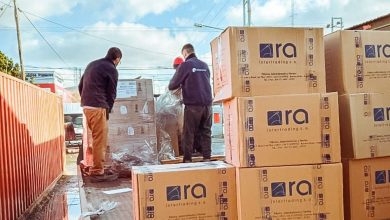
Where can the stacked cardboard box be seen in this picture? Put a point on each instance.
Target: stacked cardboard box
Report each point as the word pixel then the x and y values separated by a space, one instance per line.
pixel 132 124
pixel 358 67
pixel 185 191
pixel 281 128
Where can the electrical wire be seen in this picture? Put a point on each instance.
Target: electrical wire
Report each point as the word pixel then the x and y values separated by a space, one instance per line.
pixel 47 42
pixel 94 36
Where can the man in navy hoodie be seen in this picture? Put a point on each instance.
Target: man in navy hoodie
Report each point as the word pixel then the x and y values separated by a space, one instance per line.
pixel 193 76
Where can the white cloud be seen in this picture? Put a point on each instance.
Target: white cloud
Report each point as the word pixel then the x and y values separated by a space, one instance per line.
pixel 134 9
pixel 156 47
pixel 43 8
pixel 183 22
pixel 309 12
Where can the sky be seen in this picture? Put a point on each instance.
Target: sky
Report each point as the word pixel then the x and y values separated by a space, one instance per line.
pixel 68 34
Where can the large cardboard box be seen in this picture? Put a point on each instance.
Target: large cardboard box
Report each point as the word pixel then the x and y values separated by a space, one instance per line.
pixel 367 189
pixel 133 110
pixel 132 89
pixel 282 130
pixel 253 61
pixel 358 61
pixel 291 192
pixel 365 125
pixel 185 191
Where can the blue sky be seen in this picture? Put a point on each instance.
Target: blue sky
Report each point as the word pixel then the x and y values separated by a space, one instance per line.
pixel 151 32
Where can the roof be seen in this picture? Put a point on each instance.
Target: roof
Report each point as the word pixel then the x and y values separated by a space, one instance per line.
pixel 370 21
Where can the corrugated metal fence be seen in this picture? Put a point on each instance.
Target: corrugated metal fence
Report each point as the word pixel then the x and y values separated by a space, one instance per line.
pixel 31 144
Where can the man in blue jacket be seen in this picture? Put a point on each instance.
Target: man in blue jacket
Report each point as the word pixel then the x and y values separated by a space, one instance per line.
pixel 193 76
pixel 98 92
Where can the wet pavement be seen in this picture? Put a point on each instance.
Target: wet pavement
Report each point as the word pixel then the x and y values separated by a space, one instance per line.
pixel 63 202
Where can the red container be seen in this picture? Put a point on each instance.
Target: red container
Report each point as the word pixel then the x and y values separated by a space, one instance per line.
pixel 31 144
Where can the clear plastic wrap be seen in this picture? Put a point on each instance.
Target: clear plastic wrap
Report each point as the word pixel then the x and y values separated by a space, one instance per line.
pixel 166 150
pixel 125 159
pixel 169 112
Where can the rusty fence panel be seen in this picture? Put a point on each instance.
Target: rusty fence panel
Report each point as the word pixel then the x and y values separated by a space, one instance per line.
pixel 31 144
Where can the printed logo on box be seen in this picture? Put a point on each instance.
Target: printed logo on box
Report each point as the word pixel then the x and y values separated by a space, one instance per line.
pixel 377 51
pixel 379 114
pixel 268 50
pixel 196 191
pixel 274 118
pixel 370 51
pixel 380 177
pixel 282 189
pixel 173 193
pixel 299 116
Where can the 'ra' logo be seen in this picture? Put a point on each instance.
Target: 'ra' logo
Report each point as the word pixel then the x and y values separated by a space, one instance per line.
pixel 299 116
pixel 380 176
pixel 196 191
pixel 382 114
pixel 282 189
pixel 268 50
pixel 377 51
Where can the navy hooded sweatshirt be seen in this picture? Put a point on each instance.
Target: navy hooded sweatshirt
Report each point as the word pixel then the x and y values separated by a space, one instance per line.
pixel 193 76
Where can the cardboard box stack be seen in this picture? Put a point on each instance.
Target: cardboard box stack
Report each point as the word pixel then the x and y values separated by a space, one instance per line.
pixel 185 191
pixel 132 124
pixel 281 128
pixel 358 67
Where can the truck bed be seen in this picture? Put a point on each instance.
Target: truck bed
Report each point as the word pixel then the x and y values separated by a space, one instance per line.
pixel 91 196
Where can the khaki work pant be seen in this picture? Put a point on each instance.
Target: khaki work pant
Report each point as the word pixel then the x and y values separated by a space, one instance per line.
pixel 97 123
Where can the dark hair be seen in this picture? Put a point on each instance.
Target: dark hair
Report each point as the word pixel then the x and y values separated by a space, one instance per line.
pixel 189 48
pixel 114 53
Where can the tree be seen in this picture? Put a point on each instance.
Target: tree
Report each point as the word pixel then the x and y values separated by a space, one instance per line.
pixel 7 66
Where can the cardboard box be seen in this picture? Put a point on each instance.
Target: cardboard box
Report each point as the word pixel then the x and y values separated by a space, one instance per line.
pixel 254 61
pixel 290 192
pixel 282 130
pixel 133 111
pixel 132 89
pixel 185 191
pixel 365 125
pixel 367 188
pixel 358 61
pixel 131 136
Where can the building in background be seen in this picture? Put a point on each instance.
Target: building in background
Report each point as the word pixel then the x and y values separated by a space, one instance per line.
pixel 381 23
pixel 50 80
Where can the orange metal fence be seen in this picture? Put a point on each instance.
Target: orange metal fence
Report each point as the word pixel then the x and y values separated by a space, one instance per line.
pixel 31 144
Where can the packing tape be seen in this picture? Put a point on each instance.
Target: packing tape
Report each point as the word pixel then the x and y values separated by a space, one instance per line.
pixel 223 194
pixel 249 137
pixel 327 153
pixel 359 71
pixel 265 194
pixel 243 60
pixel 310 66
pixel 369 192
pixel 367 111
pixel 319 204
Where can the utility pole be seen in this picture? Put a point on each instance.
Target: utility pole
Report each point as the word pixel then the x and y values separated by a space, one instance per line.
pixel 247 12
pixel 336 22
pixel 19 41
pixel 292 13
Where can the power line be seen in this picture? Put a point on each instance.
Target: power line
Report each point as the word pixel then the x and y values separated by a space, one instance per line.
pixel 47 42
pixel 220 10
pixel 4 9
pixel 207 14
pixel 94 36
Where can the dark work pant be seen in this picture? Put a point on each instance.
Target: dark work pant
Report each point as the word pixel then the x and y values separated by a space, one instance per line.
pixel 197 120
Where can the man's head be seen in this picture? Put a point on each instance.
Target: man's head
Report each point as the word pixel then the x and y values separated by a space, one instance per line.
pixel 115 55
pixel 187 50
